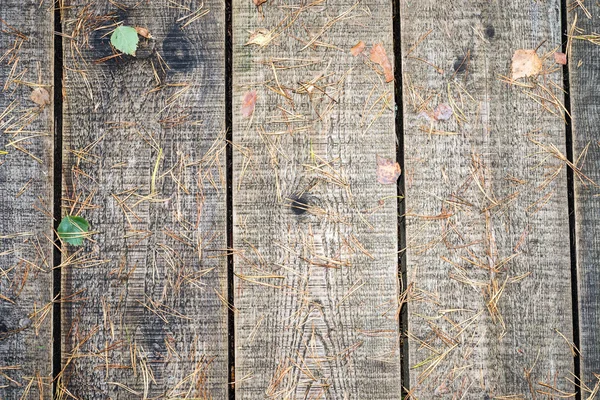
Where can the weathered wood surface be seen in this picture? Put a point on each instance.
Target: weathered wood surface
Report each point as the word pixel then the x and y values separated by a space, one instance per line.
pixel 26 200
pixel 584 73
pixel 144 157
pixel 487 222
pixel 315 234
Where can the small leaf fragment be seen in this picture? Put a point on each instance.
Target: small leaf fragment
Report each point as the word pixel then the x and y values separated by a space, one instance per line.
pixel 560 58
pixel 73 229
pixel 143 32
pixel 260 37
pixel 125 39
pixel 525 63
pixel 388 171
pixel 379 56
pixel 357 48
pixel 248 103
pixel 40 96
pixel 443 112
pixel 259 2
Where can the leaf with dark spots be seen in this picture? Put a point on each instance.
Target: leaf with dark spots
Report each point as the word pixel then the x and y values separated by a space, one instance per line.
pixel 525 63
pixel 388 171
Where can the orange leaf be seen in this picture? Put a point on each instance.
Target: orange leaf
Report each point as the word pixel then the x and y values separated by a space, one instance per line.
pixel 560 58
pixel 358 48
pixel 378 56
pixel 248 103
pixel 525 63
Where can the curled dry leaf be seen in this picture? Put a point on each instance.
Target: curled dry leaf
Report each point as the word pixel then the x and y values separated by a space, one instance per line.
pixel 358 48
pixel 378 56
pixel 443 112
pixel 40 96
pixel 259 2
pixel 560 58
pixel 143 32
pixel 388 171
pixel 260 37
pixel 248 103
pixel 525 63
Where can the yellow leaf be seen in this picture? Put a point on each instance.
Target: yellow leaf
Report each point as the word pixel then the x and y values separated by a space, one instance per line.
pixel 260 37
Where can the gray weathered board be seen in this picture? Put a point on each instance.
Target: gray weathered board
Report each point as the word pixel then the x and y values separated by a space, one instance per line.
pixel 487 222
pixel 584 74
pixel 26 205
pixel 315 234
pixel 144 163
pixel 144 311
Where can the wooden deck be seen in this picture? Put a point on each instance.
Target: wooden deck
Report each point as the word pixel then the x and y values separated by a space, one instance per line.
pixel 245 241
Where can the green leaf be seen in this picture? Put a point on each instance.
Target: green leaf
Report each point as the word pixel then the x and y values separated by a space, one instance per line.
pixel 73 229
pixel 125 39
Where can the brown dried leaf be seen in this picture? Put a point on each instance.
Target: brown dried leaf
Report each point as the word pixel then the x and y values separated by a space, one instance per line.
pixel 388 171
pixel 443 112
pixel 40 96
pixel 358 48
pixel 143 32
pixel 260 37
pixel 525 63
pixel 248 103
pixel 560 58
pixel 378 56
pixel 259 2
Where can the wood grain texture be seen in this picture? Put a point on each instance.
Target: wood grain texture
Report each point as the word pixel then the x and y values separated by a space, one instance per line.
pixel 315 234
pixel 487 222
pixel 585 107
pixel 144 164
pixel 26 200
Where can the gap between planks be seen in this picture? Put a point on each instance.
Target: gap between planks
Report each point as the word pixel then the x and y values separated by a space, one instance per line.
pixel 571 194
pixel 57 199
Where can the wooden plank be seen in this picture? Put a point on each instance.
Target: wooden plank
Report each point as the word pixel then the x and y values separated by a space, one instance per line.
pixel 315 234
pixel 26 199
pixel 144 161
pixel 585 102
pixel 487 223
